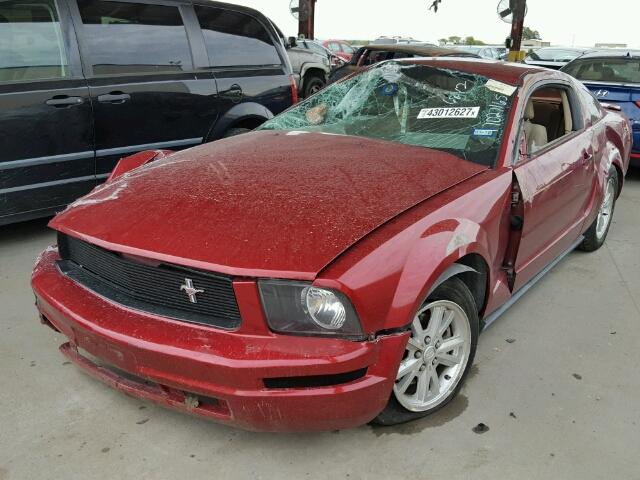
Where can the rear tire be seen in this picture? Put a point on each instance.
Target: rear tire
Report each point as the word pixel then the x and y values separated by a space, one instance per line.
pixel 438 356
pixel 596 235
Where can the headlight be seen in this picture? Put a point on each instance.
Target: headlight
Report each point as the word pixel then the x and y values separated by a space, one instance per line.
pixel 292 307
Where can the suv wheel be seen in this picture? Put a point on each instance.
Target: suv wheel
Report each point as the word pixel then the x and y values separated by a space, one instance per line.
pixel 312 84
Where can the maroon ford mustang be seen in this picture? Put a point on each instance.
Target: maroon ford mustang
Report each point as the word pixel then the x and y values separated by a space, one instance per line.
pixel 337 265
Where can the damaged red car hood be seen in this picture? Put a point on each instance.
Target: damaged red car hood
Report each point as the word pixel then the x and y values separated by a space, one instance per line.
pixel 270 204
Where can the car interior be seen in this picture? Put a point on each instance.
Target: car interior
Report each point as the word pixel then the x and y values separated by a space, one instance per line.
pixel 547 118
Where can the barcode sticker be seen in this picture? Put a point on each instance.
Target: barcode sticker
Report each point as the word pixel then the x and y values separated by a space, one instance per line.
pixel 449 112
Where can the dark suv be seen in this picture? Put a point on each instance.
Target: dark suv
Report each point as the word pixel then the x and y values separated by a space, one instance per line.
pixel 85 82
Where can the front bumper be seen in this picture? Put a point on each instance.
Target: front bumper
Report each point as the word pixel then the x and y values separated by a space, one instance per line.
pixel 219 374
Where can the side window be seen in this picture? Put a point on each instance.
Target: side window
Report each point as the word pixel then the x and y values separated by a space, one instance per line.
pixel 334 47
pixel 134 38
pixel 235 39
pixel 317 48
pixel 347 48
pixel 31 41
pixel 550 114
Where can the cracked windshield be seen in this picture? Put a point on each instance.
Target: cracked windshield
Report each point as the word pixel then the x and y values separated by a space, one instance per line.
pixel 452 111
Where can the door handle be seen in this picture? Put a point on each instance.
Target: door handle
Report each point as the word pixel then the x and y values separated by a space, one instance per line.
pixel 586 157
pixel 114 97
pixel 235 93
pixel 64 101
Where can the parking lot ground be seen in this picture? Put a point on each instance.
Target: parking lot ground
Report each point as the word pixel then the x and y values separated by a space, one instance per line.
pixel 560 398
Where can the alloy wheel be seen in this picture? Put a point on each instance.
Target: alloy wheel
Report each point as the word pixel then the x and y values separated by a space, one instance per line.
pixel 435 358
pixel 606 209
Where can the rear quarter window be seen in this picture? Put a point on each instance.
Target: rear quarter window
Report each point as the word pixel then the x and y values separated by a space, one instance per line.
pixel 235 39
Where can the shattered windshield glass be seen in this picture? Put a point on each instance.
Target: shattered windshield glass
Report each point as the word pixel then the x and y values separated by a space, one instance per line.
pixel 453 111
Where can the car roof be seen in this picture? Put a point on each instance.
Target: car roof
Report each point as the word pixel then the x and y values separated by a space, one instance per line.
pixel 424 50
pixel 612 53
pixel 570 49
pixel 511 73
pixel 231 6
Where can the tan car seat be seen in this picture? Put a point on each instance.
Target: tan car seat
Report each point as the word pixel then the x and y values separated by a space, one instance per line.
pixel 536 134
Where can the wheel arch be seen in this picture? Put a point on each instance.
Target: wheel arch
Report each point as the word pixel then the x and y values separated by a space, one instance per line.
pixel 613 158
pixel 315 69
pixel 473 270
pixel 616 151
pixel 244 115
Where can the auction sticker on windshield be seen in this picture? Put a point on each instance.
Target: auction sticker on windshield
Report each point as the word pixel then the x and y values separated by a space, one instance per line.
pixel 450 112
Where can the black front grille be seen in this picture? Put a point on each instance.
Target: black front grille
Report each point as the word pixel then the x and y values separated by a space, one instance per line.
pixel 150 288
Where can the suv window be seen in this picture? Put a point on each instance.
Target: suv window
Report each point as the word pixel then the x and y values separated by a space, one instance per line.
pixel 235 39
pixel 316 48
pixel 134 38
pixel 31 45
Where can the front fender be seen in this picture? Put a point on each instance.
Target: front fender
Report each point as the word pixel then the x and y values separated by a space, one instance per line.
pixel 237 114
pixel 438 249
pixel 388 274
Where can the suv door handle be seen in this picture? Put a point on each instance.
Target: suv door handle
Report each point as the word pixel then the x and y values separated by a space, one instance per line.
pixel 586 157
pixel 235 93
pixel 64 101
pixel 114 97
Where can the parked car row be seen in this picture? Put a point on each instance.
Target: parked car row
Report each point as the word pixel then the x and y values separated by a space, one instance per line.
pixel 86 82
pixel 375 53
pixel 485 51
pixel 553 57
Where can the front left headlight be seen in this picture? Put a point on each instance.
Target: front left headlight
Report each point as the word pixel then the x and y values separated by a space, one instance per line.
pixel 300 308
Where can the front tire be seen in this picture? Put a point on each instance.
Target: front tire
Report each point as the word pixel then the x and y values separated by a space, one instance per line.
pixel 312 85
pixel 595 236
pixel 438 355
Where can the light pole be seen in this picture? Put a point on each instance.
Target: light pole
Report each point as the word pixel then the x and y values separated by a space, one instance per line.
pixel 519 8
pixel 306 25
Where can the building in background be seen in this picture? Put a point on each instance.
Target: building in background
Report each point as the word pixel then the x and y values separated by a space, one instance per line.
pixel 527 44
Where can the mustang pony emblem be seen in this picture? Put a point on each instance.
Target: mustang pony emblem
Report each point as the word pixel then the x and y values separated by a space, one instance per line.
pixel 190 290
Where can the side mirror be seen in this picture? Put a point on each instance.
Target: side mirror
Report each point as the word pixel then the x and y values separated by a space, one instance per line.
pixel 292 42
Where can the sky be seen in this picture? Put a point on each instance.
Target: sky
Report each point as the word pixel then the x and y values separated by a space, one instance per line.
pixel 561 22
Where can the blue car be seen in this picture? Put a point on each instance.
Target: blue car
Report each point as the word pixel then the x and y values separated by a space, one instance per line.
pixel 613 76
